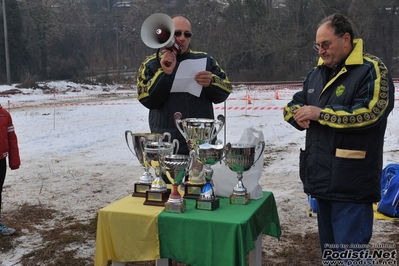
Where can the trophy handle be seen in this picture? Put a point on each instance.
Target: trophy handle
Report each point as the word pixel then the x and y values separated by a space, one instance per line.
pixel 167 136
pixel 193 158
pixel 162 165
pixel 127 133
pixel 175 146
pixel 177 116
pixel 261 143
pixel 227 150
pixel 161 160
pixel 220 142
pixel 142 143
pixel 221 120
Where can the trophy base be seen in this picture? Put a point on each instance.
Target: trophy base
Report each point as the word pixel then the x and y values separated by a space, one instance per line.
pixel 239 199
pixel 177 207
pixel 156 198
pixel 140 189
pixel 192 191
pixel 208 205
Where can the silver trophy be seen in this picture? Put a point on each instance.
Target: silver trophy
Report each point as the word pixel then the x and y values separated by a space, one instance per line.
pixel 175 167
pixel 158 193
pixel 240 157
pixel 197 131
pixel 135 143
pixel 209 155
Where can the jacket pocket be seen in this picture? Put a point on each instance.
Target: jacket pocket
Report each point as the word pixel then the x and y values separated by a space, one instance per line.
pixel 302 168
pixel 348 175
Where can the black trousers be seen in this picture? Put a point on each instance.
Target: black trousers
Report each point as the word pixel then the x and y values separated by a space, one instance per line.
pixel 3 170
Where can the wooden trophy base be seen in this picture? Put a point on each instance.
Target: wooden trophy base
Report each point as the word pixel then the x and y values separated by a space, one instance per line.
pixel 239 199
pixel 156 198
pixel 208 205
pixel 192 191
pixel 140 189
pixel 177 207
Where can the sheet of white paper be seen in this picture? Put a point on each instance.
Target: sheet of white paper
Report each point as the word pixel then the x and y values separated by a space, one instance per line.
pixel 184 79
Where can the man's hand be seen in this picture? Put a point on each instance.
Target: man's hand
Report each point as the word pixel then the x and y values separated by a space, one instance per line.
pixel 168 61
pixel 306 113
pixel 203 78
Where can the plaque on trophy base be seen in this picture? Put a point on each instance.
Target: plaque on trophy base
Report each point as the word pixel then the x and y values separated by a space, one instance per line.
pixel 156 198
pixel 178 207
pixel 208 205
pixel 239 199
pixel 192 191
pixel 140 189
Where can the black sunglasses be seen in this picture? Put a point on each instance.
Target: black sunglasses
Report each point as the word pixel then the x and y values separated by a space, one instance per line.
pixel 186 34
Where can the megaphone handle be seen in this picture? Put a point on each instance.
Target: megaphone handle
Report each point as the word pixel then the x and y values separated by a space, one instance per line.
pixel 167 64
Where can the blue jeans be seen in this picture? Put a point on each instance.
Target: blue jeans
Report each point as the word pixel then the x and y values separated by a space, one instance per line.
pixel 342 224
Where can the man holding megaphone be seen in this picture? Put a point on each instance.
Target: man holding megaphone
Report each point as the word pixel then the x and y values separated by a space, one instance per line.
pixel 158 85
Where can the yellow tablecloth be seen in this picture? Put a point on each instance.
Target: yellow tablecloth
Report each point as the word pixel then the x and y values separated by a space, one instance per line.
pixel 112 240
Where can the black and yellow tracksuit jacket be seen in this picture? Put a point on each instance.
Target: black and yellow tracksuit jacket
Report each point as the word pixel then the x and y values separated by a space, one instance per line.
pixel 153 91
pixel 342 159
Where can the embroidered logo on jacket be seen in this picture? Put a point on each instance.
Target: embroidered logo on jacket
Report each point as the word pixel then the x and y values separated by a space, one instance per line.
pixel 340 90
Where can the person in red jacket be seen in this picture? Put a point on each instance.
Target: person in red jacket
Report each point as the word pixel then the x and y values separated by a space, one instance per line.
pixel 8 148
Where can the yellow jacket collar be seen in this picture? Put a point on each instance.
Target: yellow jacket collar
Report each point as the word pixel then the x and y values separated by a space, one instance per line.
pixel 355 57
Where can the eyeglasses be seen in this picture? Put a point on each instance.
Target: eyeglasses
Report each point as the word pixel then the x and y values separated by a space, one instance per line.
pixel 325 45
pixel 186 34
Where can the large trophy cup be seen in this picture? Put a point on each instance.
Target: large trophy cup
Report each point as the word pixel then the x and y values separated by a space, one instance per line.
pixel 158 194
pixel 209 155
pixel 135 143
pixel 175 166
pixel 240 158
pixel 197 131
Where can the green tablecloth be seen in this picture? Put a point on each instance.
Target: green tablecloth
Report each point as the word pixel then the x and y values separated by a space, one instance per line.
pixel 220 237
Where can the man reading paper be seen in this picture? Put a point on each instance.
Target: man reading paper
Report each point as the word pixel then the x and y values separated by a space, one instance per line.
pixel 163 86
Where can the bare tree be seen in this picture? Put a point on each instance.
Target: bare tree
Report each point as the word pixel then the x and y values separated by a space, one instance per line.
pixel 49 26
pixel 251 39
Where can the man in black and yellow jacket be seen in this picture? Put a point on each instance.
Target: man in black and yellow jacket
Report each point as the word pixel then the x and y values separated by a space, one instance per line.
pixel 343 106
pixel 156 77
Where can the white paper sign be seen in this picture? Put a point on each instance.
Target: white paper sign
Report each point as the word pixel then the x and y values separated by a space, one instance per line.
pixel 184 79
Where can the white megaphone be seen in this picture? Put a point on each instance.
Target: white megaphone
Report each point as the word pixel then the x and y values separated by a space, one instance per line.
pixel 158 31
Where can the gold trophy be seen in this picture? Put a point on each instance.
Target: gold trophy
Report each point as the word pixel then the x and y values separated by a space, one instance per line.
pixel 158 194
pixel 240 158
pixel 175 166
pixel 137 149
pixel 197 131
pixel 209 155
